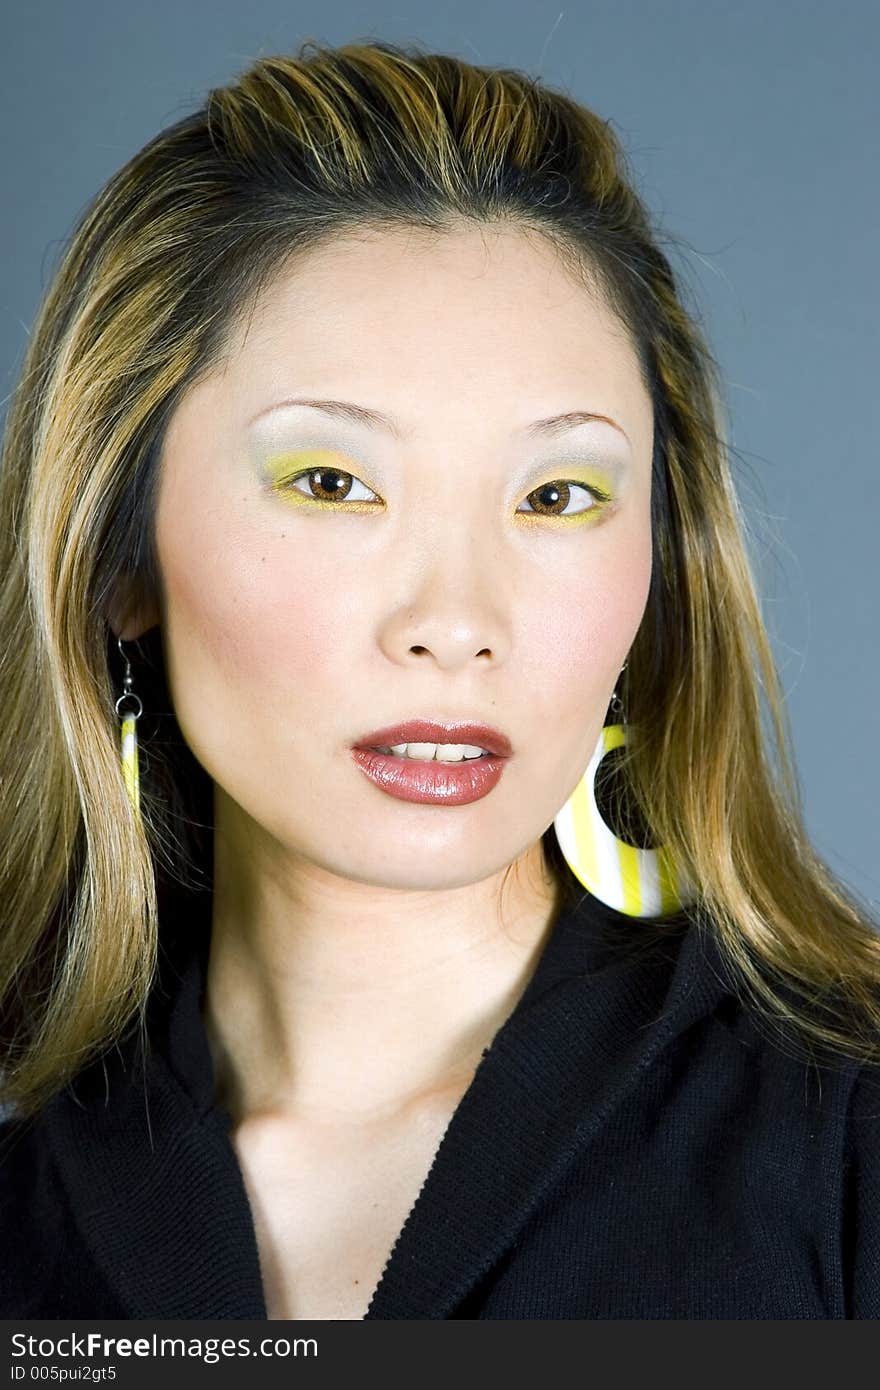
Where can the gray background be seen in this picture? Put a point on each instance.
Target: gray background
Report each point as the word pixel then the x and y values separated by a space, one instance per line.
pixel 751 129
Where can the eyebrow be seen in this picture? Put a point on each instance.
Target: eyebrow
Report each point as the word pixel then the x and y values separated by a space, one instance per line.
pixel 548 427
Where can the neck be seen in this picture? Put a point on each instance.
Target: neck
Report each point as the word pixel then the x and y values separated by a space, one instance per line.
pixel 328 998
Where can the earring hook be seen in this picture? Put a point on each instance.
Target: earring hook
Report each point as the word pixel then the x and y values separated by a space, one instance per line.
pixel 127 692
pixel 616 702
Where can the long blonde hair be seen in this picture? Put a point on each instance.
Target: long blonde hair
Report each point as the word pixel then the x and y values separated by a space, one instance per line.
pixel 162 265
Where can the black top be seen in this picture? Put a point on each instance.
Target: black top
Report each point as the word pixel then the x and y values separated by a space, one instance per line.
pixel 633 1145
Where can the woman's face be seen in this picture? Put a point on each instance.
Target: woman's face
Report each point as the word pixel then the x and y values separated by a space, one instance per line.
pixel 428 584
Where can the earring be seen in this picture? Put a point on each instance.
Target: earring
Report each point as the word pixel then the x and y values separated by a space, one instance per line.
pixel 638 882
pixel 128 734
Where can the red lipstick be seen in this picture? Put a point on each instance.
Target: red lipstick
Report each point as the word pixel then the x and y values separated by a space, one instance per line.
pixel 433 781
pixel 437 731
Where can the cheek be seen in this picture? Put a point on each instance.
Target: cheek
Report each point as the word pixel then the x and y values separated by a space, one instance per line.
pixel 249 620
pixel 580 639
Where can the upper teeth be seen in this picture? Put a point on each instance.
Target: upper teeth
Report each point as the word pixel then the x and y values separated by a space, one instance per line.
pixel 442 752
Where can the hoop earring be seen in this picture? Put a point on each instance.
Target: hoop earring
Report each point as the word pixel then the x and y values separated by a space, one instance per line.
pixel 128 734
pixel 638 882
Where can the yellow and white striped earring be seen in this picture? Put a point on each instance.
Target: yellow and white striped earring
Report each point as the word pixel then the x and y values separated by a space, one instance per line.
pixel 128 734
pixel 638 882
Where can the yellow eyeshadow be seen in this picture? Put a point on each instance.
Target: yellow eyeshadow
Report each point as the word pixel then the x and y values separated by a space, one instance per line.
pixel 587 516
pixel 282 468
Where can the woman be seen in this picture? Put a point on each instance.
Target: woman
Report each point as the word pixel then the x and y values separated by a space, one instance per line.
pixel 444 941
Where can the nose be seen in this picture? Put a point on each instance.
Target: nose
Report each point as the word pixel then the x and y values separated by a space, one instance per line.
pixel 457 613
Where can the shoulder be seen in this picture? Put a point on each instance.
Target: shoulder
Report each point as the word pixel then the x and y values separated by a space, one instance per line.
pixel 23 1161
pixel 860 1238
pixel 33 1216
pixel 819 1129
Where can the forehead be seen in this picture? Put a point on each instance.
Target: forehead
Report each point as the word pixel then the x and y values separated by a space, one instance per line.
pixel 465 319
pixel 395 282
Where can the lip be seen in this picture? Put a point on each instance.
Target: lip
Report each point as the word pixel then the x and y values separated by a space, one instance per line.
pixel 435 731
pixel 430 782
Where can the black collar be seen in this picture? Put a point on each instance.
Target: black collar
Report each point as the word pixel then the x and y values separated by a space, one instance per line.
pixel 154 1181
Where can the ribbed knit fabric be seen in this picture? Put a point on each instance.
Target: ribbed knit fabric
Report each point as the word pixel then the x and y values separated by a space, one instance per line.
pixel 632 1145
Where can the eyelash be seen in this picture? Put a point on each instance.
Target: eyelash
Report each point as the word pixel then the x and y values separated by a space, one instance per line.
pixel 600 497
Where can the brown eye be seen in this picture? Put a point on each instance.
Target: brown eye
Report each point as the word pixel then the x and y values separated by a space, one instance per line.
pixel 329 484
pixel 552 499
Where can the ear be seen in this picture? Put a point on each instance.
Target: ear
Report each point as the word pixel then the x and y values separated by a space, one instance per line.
pixel 131 611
